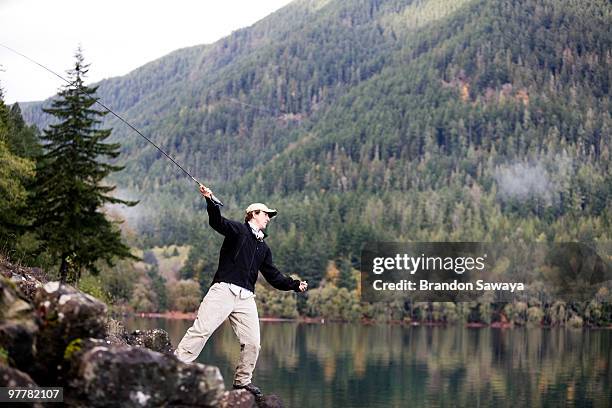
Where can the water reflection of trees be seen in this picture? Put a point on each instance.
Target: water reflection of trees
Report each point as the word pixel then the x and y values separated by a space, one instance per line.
pixel 393 365
pixel 460 365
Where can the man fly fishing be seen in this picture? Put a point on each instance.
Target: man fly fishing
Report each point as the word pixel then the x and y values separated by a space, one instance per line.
pixel 243 255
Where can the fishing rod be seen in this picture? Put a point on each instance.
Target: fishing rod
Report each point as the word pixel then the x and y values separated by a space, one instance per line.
pixel 80 88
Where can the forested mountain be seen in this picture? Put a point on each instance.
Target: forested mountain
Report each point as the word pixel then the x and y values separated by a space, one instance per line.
pixel 371 119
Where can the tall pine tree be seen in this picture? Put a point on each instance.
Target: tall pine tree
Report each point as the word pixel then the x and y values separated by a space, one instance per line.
pixel 70 193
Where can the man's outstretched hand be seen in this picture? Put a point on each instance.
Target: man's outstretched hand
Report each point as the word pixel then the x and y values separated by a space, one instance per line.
pixel 303 286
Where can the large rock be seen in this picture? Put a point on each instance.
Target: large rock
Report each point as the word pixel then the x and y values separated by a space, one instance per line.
pixel 196 384
pixel 153 339
pixel 12 377
pixel 65 315
pixel 104 374
pixel 18 326
pixel 244 399
pixel 237 399
pixel 115 332
pixel 28 285
pixel 28 280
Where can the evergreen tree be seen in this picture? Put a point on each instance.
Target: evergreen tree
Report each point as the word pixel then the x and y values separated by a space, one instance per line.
pixel 69 194
pixel 15 171
pixel 22 139
pixel 158 285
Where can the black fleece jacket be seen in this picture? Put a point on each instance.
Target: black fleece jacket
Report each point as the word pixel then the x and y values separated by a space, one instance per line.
pixel 242 255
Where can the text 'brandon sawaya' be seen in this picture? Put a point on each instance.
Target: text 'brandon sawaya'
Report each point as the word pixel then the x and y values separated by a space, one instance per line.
pixel 404 262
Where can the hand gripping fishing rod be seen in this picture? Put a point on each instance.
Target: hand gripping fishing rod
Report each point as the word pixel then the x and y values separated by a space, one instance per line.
pixel 212 197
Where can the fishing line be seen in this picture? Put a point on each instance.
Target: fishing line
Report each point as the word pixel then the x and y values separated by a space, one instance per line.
pixel 251 106
pixel 213 198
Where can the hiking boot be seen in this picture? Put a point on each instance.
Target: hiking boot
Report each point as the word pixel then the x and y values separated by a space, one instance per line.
pixel 250 387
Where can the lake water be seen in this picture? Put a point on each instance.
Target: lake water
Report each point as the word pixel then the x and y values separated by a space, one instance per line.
pixel 353 365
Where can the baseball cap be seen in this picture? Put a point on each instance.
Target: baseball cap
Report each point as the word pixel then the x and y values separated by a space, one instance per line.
pixel 261 207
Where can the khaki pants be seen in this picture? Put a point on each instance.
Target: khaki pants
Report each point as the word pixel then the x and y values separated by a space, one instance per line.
pixel 219 304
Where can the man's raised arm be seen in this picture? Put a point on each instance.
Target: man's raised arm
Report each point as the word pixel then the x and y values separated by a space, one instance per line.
pixel 219 223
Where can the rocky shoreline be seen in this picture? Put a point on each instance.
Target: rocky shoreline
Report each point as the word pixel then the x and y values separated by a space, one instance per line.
pixel 52 335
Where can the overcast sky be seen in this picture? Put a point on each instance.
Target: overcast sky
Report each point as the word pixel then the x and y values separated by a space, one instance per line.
pixel 117 36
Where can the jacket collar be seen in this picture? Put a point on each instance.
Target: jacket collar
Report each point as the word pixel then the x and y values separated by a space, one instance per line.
pixel 265 235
